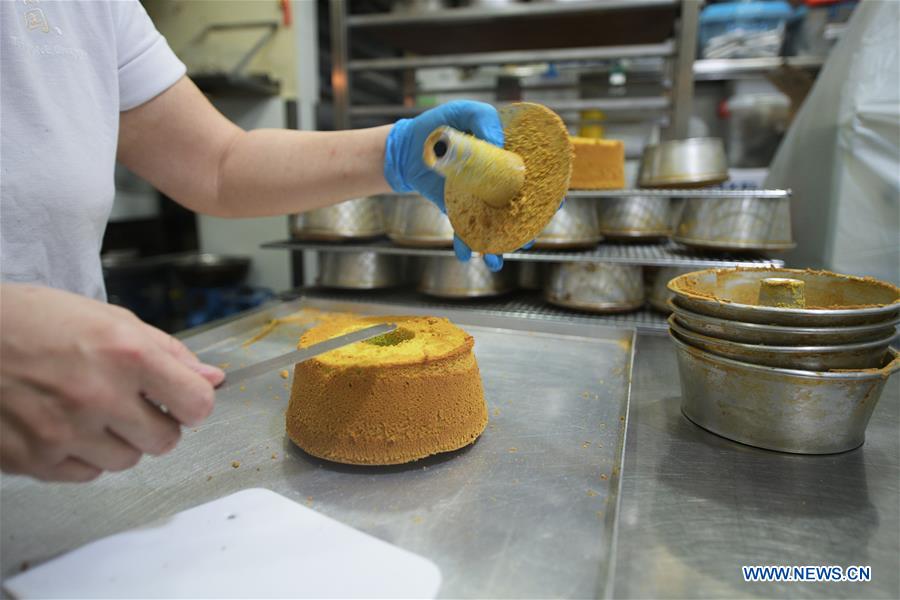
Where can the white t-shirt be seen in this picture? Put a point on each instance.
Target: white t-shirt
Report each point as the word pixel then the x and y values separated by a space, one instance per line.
pixel 67 69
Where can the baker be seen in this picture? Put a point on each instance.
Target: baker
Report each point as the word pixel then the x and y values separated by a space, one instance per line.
pixel 86 387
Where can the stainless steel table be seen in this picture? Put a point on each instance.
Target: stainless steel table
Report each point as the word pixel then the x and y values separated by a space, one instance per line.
pixel 696 507
pixel 693 509
pixel 529 510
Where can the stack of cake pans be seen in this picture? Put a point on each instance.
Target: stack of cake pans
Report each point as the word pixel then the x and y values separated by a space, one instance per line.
pixel 797 375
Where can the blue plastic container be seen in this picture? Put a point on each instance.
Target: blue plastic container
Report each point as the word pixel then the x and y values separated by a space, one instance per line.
pixel 748 17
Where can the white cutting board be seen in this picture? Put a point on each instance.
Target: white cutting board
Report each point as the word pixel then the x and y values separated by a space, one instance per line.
pixel 252 544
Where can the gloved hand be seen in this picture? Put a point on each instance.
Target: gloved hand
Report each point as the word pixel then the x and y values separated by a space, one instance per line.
pixel 405 170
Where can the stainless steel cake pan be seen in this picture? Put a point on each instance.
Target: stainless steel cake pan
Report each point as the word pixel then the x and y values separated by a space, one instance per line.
pixel 595 287
pixel 781 335
pixel 787 410
pixel 635 217
pixel 692 162
pixel 359 218
pixel 658 294
pixel 833 300
pixel 735 224
pixel 360 270
pixel 574 225
pixel 415 221
pixel 862 355
pixel 531 275
pixel 447 277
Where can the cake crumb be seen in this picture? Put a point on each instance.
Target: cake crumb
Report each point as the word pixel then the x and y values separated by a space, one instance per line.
pixel 496 412
pixel 284 374
pixel 235 464
pixel 309 499
pixel 591 493
pixel 243 388
pixel 224 365
pixel 586 445
pixel 513 449
pixel 585 394
pixel 274 455
pixel 604 476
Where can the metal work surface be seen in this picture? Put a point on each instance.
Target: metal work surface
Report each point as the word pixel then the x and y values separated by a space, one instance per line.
pixel 652 255
pixel 529 510
pixel 695 507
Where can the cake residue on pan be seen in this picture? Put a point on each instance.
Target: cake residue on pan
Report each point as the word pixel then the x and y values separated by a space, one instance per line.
pixel 825 296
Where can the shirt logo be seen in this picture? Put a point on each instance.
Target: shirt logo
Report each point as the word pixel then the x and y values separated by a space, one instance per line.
pixel 35 19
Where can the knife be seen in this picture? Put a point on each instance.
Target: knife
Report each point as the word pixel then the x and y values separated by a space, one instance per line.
pixel 291 358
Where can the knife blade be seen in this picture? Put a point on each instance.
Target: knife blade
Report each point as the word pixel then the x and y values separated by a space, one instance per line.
pixel 291 358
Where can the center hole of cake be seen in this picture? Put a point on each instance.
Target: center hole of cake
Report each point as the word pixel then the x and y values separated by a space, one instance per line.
pixel 394 338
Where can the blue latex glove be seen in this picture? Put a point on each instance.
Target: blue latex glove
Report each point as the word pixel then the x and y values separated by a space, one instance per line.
pixel 405 170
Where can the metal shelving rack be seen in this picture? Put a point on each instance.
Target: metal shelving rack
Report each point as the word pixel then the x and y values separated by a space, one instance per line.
pixel 649 255
pixel 428 41
pixel 518 304
pixel 423 40
pixel 530 304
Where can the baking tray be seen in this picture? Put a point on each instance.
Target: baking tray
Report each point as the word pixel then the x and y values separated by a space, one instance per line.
pixel 529 510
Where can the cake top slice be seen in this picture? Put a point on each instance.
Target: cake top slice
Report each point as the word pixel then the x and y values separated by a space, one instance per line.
pixel 416 340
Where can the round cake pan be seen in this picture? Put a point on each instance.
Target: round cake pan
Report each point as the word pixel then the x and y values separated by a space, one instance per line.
pixel 447 277
pixel 360 270
pixel 832 300
pixel 595 287
pixel 862 355
pixel 692 162
pixel 780 409
pixel 531 275
pixel 637 217
pixel 417 222
pixel 754 224
pixel 658 294
pixel 574 225
pixel 781 335
pixel 359 218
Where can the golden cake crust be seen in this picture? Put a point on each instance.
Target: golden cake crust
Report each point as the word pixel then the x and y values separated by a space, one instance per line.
pixel 434 339
pixel 387 404
pixel 539 136
pixel 598 164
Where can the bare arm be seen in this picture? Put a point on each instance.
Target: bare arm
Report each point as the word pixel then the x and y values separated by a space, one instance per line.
pixel 181 144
